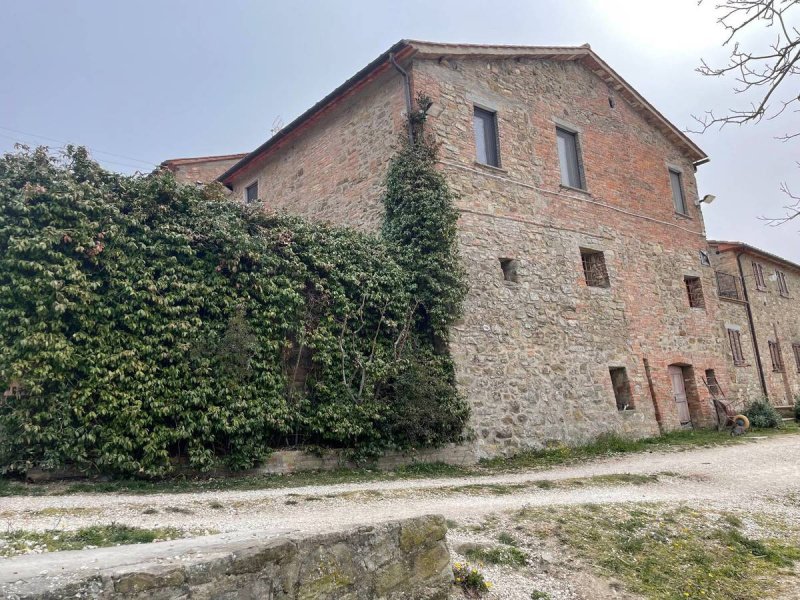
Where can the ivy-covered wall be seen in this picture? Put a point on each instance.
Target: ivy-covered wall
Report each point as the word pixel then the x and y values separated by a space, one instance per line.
pixel 150 323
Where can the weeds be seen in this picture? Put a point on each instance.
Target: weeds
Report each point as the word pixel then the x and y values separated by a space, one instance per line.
pixel 667 553
pixel 470 580
pixel 498 555
pixel 20 541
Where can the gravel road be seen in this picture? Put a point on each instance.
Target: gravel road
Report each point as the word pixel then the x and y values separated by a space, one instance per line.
pixel 747 475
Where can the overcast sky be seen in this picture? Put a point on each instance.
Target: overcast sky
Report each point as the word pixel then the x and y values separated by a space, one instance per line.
pixel 139 82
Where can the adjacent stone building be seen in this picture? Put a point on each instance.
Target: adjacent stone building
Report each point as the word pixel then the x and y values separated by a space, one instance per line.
pixel 592 306
pixel 201 169
pixel 760 322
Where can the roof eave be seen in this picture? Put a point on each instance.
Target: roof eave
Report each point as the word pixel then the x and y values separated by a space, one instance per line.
pixel 733 246
pixel 400 49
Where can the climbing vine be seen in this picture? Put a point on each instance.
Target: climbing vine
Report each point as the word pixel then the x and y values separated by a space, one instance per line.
pixel 146 324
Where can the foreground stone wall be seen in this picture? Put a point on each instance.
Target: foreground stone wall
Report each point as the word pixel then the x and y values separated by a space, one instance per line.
pixel 291 461
pixel 399 560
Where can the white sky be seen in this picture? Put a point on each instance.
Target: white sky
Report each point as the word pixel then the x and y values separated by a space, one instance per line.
pixel 151 80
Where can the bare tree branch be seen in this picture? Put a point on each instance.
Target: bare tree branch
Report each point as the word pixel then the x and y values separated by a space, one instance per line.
pixel 769 77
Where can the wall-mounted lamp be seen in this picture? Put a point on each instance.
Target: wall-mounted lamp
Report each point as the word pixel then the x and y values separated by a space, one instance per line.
pixel 707 199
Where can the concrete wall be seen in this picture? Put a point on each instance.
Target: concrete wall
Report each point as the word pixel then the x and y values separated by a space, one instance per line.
pixel 534 356
pixel 397 560
pixel 771 312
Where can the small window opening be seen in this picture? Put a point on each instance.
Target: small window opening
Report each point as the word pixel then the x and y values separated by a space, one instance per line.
pixel 622 388
pixel 796 350
pixel 705 259
pixel 594 268
pixel 251 192
pixel 611 101
pixel 694 290
pixel 509 267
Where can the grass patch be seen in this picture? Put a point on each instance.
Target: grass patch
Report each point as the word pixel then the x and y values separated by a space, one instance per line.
pixel 612 445
pixel 506 538
pixel 13 543
pixel 498 555
pixel 538 595
pixel 179 510
pixel 76 511
pixel 667 554
pixel 541 459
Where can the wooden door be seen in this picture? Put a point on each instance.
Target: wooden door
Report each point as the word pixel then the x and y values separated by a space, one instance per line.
pixel 679 393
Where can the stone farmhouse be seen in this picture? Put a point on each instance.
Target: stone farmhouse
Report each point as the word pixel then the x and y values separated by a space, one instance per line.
pixel 760 321
pixel 592 306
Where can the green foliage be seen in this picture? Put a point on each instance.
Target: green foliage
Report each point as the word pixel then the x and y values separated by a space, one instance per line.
pixel 20 541
pixel 498 555
pixel 421 218
pixel 151 323
pixel 665 553
pixel 797 408
pixel 763 415
pixel 506 538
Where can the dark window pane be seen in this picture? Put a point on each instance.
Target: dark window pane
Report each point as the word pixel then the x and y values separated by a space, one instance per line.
pixel 677 192
pixel 251 192
pixel 485 125
pixel 568 158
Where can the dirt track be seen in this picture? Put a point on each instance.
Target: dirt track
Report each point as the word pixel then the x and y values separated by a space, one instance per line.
pixel 755 474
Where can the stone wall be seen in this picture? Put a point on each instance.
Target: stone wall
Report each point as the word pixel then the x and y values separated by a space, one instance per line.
pixel 201 170
pixel 406 559
pixel 534 356
pixel 333 171
pixel 291 461
pixel 771 313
